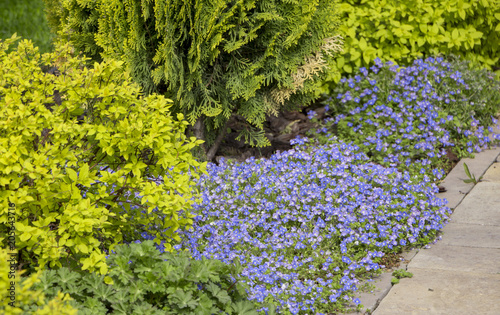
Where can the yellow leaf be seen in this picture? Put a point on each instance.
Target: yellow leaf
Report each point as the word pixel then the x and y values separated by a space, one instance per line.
pixel 25 237
pixel 108 280
pixel 72 174
pixel 84 171
pixel 82 248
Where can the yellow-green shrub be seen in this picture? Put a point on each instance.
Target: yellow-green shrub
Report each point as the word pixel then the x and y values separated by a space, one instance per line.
pixel 396 30
pixel 80 175
pixel 23 295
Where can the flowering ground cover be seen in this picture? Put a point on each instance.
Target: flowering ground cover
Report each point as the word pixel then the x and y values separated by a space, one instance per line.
pixel 309 224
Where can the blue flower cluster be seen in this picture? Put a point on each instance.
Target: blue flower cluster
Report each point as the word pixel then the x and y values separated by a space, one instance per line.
pixel 403 117
pixel 299 221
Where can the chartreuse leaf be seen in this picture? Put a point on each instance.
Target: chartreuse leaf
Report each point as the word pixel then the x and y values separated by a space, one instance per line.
pixel 72 174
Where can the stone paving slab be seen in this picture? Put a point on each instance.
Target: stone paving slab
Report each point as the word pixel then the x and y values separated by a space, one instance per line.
pixel 461 273
pixel 383 285
pixel 493 173
pixel 456 189
pixel 471 235
pixel 443 292
pixel 458 258
pixel 482 205
pixel 371 299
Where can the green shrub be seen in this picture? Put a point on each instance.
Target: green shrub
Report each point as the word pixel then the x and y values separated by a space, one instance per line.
pixel 79 151
pixel 17 294
pixel 143 281
pixel 27 19
pixel 214 58
pixel 402 31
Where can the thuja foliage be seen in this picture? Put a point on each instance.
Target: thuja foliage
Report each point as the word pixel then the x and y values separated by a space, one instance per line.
pixel 214 58
pixel 402 31
pixel 78 151
pixel 16 293
pixel 143 281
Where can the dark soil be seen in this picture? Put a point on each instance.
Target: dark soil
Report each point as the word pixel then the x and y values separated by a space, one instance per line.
pixel 278 129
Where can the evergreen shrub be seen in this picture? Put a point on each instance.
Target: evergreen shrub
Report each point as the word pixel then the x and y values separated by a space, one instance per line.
pixel 401 31
pixel 87 161
pixel 216 59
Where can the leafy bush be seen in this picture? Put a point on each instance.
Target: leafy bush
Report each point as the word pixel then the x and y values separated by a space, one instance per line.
pixel 143 281
pixel 16 293
pixel 214 58
pixel 86 160
pixel 402 31
pixel 27 19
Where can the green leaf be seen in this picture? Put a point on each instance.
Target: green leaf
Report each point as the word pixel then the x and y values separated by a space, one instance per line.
pixel 467 172
pixel 244 308
pixel 84 172
pixel 340 62
pixel 72 174
pixel 362 44
pixel 461 13
pixel 355 54
pixel 184 299
pixel 421 41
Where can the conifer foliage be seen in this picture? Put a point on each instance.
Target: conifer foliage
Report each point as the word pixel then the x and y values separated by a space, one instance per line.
pixel 216 59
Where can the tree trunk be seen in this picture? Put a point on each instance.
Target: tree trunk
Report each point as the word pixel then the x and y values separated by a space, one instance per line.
pixel 199 132
pixel 215 146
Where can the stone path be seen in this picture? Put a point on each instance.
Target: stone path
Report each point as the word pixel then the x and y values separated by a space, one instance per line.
pixel 461 273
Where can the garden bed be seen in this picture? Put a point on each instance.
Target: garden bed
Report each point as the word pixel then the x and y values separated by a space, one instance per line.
pixel 309 224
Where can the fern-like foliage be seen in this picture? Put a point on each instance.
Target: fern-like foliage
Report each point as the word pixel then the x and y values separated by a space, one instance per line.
pixel 215 58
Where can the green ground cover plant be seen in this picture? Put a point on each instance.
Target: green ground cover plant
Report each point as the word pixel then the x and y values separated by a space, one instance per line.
pixel 27 19
pixel 437 100
pixel 143 281
pixel 309 224
pixel 215 59
pixel 401 31
pixel 76 146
